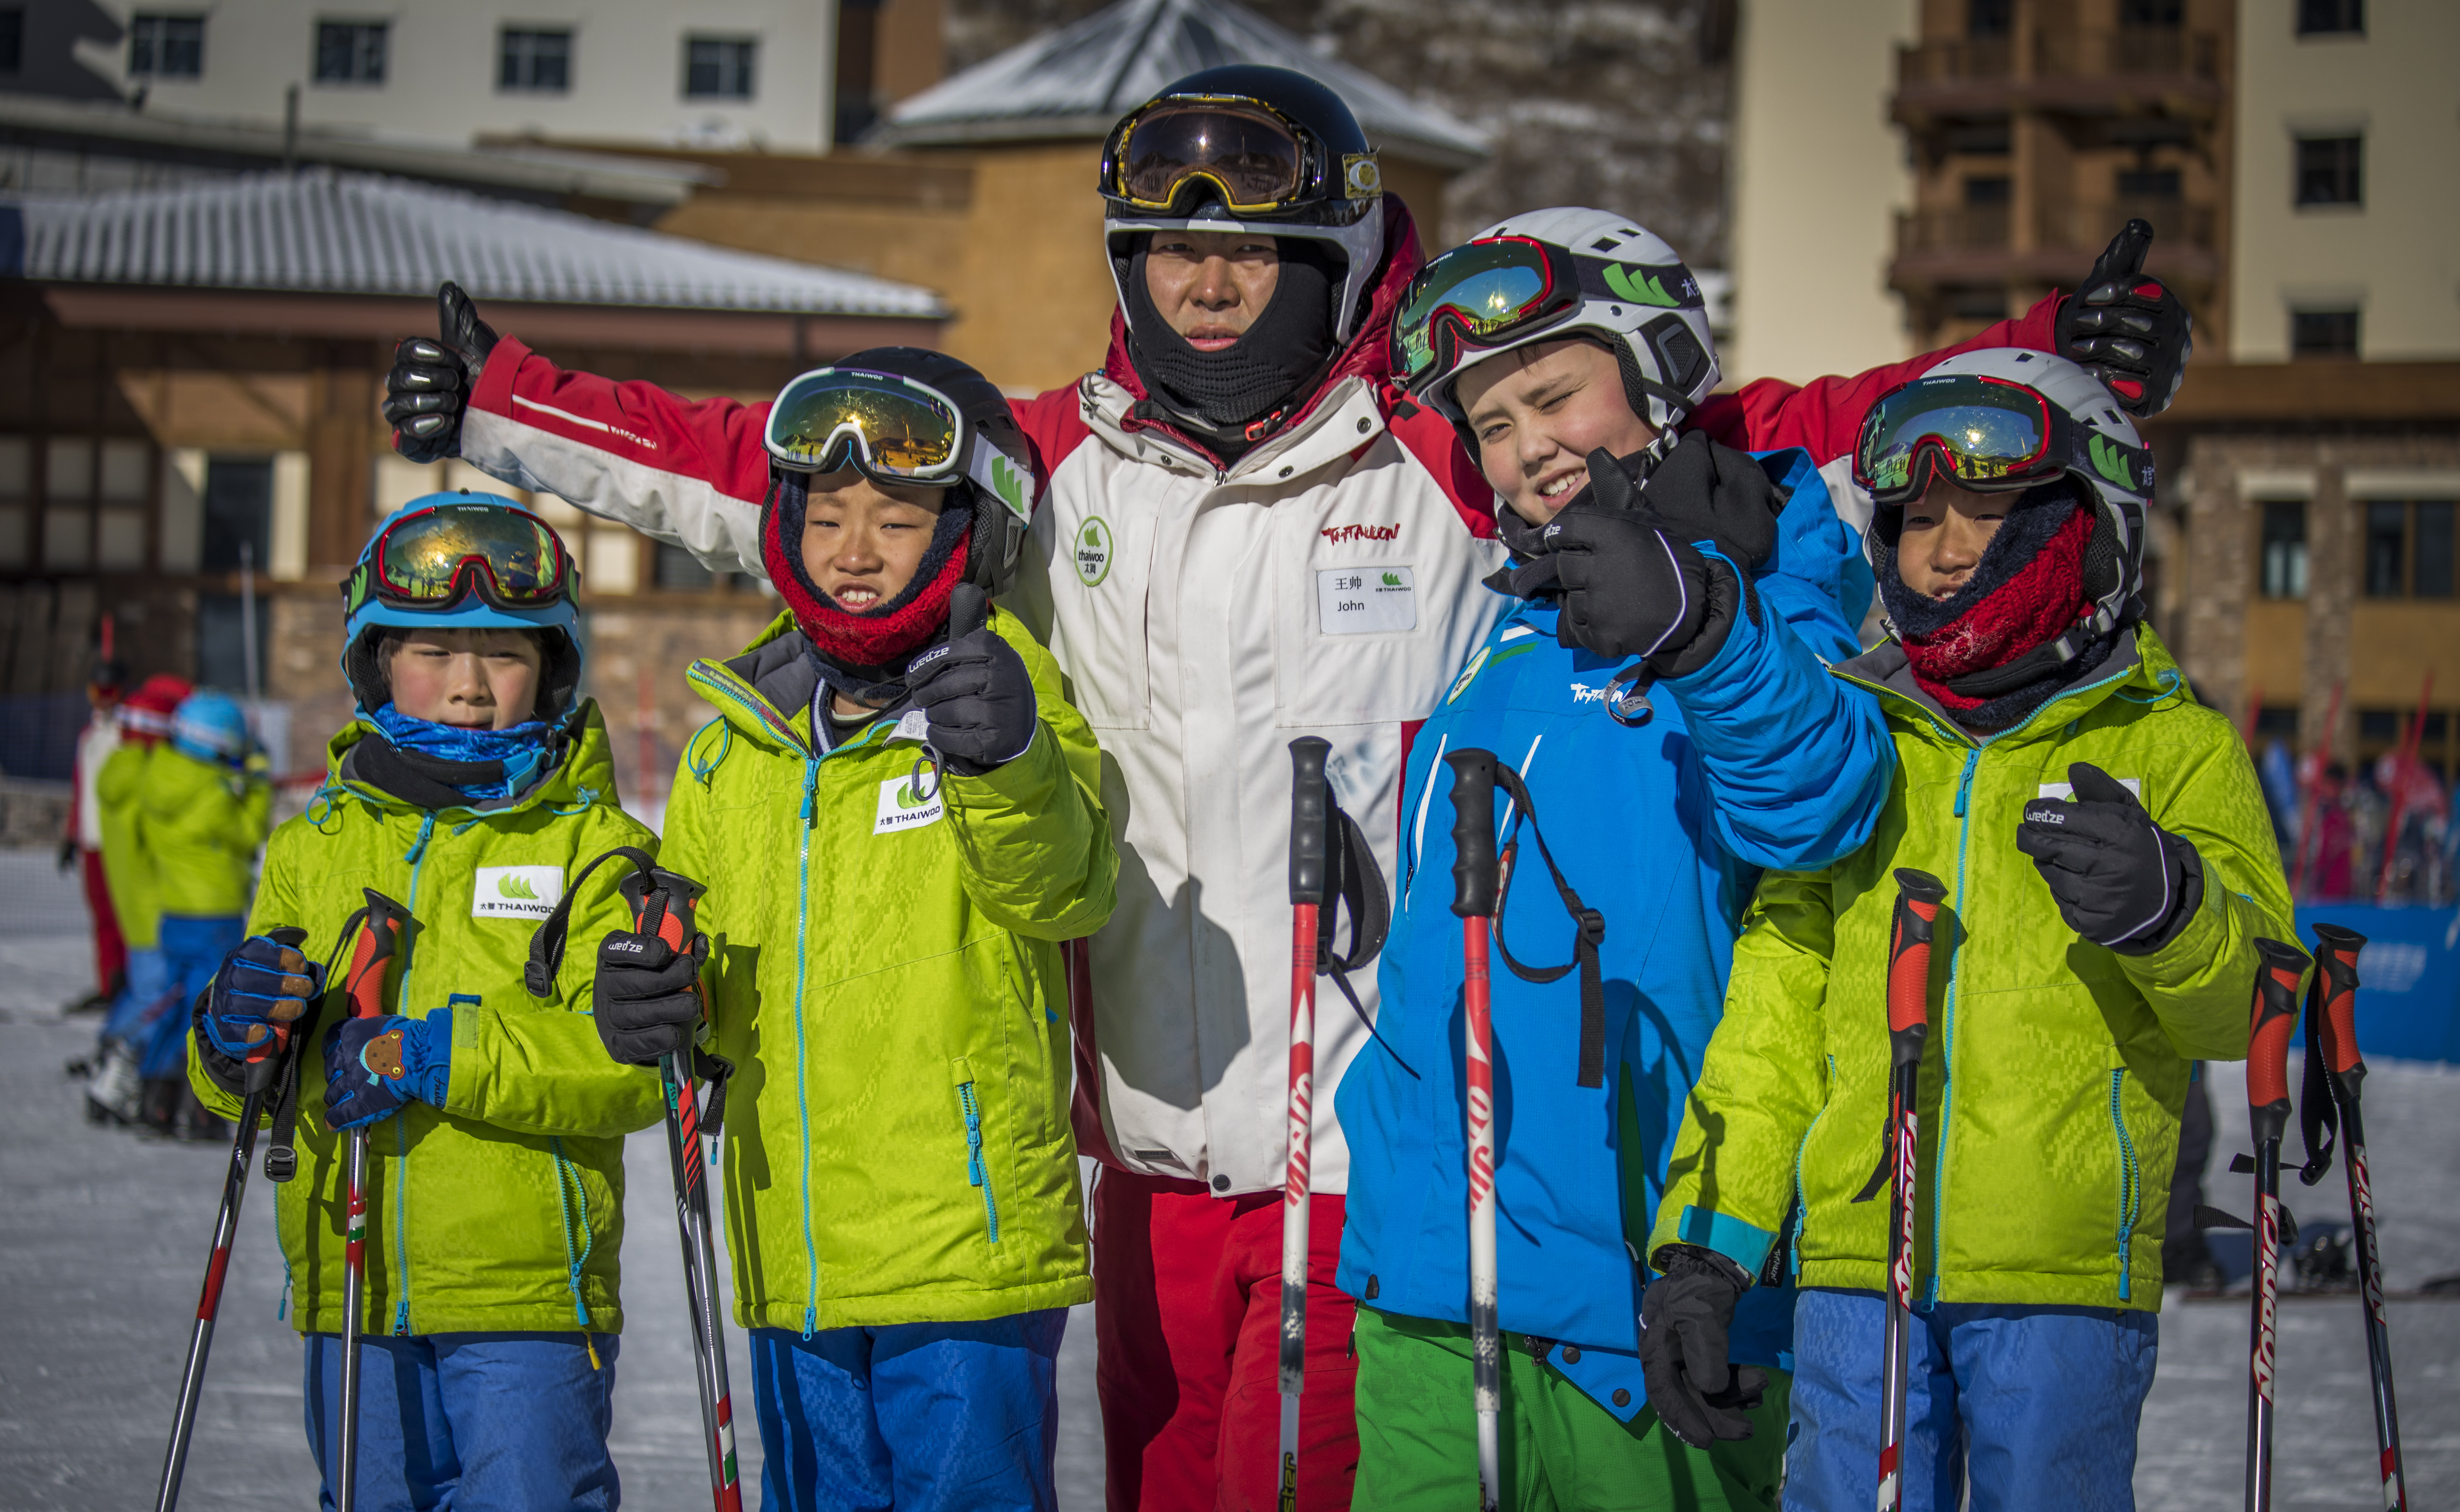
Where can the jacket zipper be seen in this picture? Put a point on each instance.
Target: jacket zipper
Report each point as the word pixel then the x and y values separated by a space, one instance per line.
pixel 1802 1202
pixel 400 1128
pixel 977 1172
pixel 802 1086
pixel 2130 1188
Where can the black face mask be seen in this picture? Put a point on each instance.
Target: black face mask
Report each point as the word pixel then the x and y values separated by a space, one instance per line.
pixel 1221 393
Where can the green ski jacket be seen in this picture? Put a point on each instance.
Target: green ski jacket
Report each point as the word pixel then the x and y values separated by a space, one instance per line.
pixel 127 864
pixel 2054 1070
pixel 886 972
pixel 202 823
pixel 503 1210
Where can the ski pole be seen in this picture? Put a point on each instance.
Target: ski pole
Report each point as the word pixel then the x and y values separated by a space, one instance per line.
pixel 2331 1004
pixel 2267 1100
pixel 263 1063
pixel 1911 935
pixel 380 937
pixel 1308 824
pixel 662 905
pixel 1476 881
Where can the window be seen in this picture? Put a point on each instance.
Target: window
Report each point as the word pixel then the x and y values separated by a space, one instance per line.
pixel 2433 573
pixel 1993 191
pixel 2147 183
pixel 2161 15
pixel 2327 170
pixel 679 571
pixel 12 40
pixel 2325 17
pixel 1989 18
pixel 2277 723
pixel 718 67
pixel 2284 549
pixel 350 52
pixel 1978 304
pixel 166 46
pixel 540 61
pixel 2386 526
pixel 2323 333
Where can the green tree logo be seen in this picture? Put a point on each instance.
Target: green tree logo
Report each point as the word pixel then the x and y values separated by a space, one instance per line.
pixel 1009 486
pixel 516 887
pixel 1392 579
pixel 1093 551
pixel 1642 290
pixel 2110 460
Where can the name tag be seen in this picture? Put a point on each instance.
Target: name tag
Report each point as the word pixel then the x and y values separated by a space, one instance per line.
pixel 517 892
pixel 2133 785
pixel 1366 600
pixel 903 806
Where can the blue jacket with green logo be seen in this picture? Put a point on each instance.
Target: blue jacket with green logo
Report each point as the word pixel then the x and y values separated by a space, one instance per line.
pixel 1760 759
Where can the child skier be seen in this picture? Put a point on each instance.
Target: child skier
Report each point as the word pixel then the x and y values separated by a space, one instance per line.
pixel 469 788
pixel 81 839
pixel 2109 865
pixel 1731 588
pixel 897 817
pixel 128 870
pixel 204 809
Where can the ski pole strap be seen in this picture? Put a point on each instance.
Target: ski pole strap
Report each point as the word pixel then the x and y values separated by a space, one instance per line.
pixel 1589 934
pixel 2333 1067
pixel 546 945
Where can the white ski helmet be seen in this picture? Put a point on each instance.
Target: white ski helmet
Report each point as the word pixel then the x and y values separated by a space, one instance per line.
pixel 1942 424
pixel 1547 275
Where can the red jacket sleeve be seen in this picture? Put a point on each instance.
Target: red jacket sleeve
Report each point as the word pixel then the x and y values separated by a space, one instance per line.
pixel 1822 416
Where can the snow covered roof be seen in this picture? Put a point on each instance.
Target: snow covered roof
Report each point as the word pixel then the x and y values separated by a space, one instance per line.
pixel 1079 80
pixel 327 232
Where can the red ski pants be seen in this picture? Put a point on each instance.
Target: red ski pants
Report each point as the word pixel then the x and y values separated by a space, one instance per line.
pixel 110 952
pixel 1187 1299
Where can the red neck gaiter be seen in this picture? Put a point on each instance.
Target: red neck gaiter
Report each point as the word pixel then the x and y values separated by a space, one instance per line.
pixel 2039 602
pixel 877 639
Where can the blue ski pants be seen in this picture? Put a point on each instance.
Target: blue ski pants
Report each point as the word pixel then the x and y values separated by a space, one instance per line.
pixel 470 1421
pixel 917 1416
pixel 192 948
pixel 2013 1400
pixel 148 983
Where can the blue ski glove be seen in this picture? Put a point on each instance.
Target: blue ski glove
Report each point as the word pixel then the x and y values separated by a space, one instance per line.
pixel 374 1066
pixel 266 981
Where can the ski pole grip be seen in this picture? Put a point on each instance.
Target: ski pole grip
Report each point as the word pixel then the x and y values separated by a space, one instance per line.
pixel 2336 972
pixel 379 939
pixel 663 904
pixel 1919 897
pixel 1474 865
pixel 2268 1050
pixel 1310 818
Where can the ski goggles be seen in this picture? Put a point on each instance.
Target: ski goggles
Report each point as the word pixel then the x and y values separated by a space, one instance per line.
pixel 1488 293
pixel 426 560
pixel 1985 433
pixel 1254 159
pixel 892 430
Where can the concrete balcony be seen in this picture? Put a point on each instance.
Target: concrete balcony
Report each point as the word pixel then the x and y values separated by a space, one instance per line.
pixel 2088 72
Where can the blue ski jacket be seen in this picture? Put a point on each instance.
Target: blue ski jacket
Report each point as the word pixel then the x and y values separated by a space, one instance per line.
pixel 1758 759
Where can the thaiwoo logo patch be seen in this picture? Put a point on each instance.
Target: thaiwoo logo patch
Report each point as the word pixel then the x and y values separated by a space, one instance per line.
pixel 907 803
pixel 1093 551
pixel 517 892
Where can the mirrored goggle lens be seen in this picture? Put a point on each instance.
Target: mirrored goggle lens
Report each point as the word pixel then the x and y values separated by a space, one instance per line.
pixel 1248 152
pixel 906 430
pixel 424 555
pixel 1488 286
pixel 1987 431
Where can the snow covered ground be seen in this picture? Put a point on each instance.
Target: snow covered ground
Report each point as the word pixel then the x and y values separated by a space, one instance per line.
pixel 103 1236
pixel 102 1244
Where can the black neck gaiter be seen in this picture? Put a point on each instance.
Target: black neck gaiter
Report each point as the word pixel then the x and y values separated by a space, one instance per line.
pixel 1219 394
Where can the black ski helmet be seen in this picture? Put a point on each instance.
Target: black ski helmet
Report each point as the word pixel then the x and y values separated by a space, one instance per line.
pixel 999 524
pixel 1338 195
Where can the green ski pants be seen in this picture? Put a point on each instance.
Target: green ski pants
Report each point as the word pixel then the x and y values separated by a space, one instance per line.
pixel 1417 1436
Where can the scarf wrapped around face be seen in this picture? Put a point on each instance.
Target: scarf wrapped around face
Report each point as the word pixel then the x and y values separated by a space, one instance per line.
pixel 479 765
pixel 875 642
pixel 2027 590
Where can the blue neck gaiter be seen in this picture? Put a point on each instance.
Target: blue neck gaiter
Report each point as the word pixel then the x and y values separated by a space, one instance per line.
pixel 520 755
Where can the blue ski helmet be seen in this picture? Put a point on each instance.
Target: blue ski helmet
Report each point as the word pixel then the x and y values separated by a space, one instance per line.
pixel 463 561
pixel 211 728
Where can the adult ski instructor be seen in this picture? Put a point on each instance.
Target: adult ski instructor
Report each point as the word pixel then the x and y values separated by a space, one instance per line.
pixel 1247 535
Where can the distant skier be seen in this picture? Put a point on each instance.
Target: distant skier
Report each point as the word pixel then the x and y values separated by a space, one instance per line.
pixel 470 787
pixel 128 871
pixel 81 842
pixel 2109 864
pixel 898 819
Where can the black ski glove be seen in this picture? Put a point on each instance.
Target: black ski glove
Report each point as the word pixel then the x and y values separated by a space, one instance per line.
pixel 2129 329
pixel 431 380
pixel 1698 1393
pixel 648 996
pixel 1703 491
pixel 2121 880
pixel 979 698
pixel 1632 585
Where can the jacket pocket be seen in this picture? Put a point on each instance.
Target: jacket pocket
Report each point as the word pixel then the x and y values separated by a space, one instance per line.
pixel 2131 1182
pixel 969 1104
